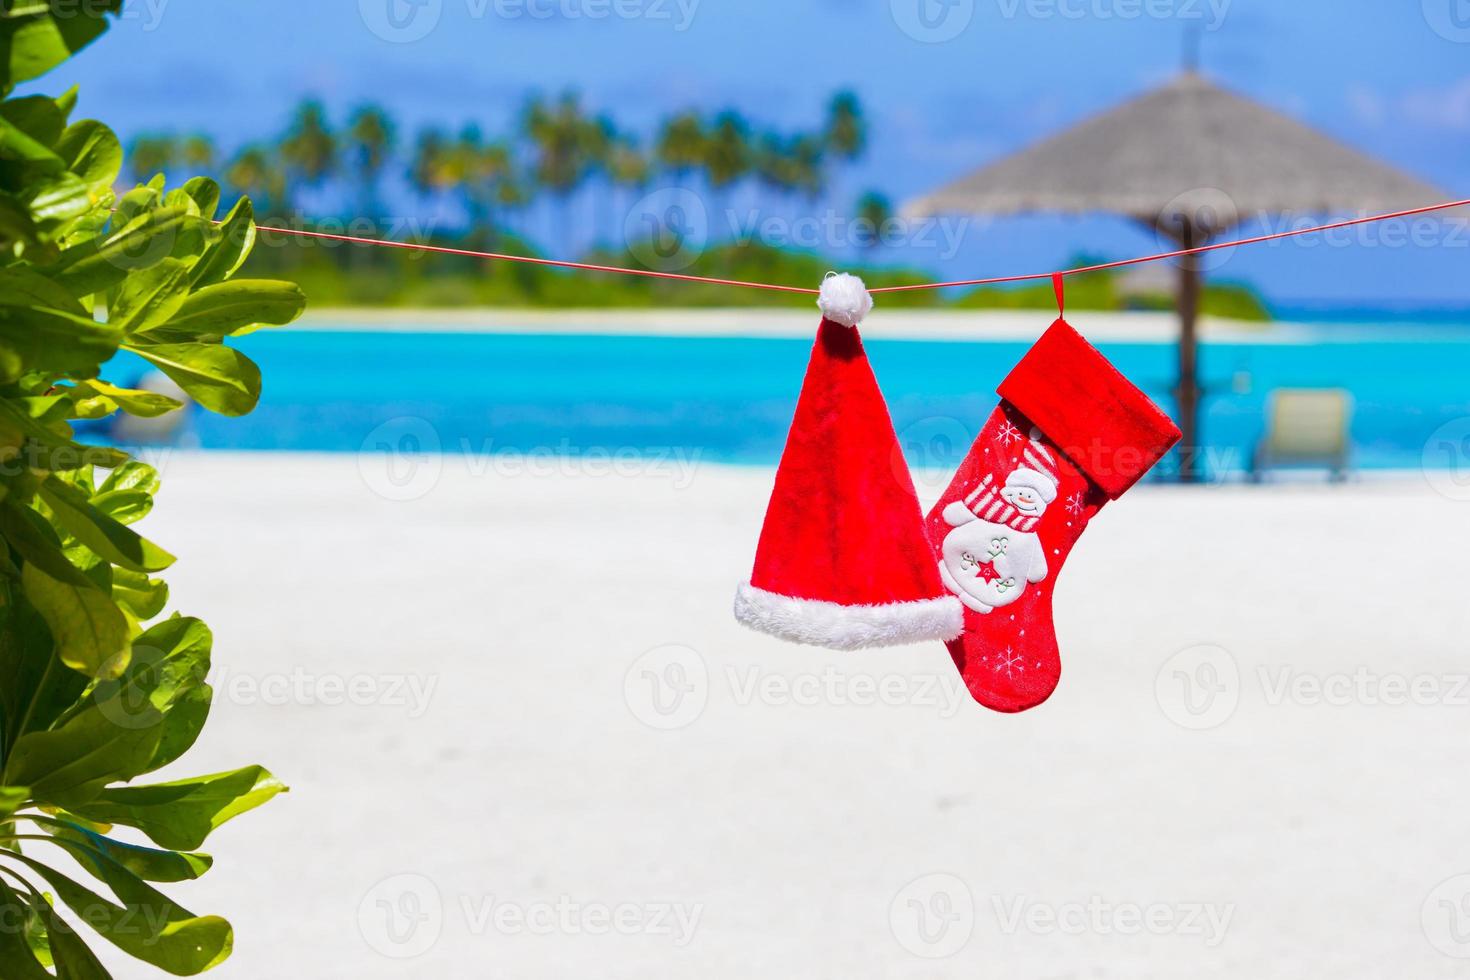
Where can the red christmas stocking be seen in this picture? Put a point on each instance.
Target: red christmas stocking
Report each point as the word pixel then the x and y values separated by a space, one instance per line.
pixel 1070 434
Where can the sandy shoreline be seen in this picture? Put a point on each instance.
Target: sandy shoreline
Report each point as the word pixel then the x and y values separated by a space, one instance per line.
pixel 899 324
pixel 510 756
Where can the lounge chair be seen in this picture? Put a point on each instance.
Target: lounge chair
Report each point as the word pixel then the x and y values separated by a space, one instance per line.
pixel 1306 427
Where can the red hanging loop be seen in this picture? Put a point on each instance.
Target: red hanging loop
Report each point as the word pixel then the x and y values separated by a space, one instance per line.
pixel 1061 291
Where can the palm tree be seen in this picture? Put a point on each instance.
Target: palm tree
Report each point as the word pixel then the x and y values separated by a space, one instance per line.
pixel 560 138
pixel 501 187
pixel 680 148
pixel 771 164
pixel 152 154
pixel 429 172
pixel 253 172
pixel 807 162
pixel 628 171
pixel 727 155
pixel 468 166
pixel 599 136
pixel 874 211
pixel 197 153
pixel 371 137
pixel 846 134
pixel 514 191
pixel 310 150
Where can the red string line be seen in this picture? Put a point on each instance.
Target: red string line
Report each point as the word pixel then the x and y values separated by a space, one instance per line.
pixel 1029 277
pixel 1178 253
pixel 533 260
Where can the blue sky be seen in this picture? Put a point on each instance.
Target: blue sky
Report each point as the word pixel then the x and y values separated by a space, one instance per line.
pixel 985 77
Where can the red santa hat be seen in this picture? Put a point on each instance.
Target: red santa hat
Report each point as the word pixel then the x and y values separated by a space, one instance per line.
pixel 843 559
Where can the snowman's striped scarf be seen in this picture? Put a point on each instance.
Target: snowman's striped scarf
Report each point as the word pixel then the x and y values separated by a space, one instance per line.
pixel 986 503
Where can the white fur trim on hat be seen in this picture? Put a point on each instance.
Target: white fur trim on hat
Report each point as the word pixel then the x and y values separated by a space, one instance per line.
pixel 831 624
pixel 1042 483
pixel 844 299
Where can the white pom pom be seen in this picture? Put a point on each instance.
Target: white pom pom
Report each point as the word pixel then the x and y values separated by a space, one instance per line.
pixel 844 299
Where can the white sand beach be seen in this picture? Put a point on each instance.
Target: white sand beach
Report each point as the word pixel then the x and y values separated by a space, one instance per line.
pixel 798 321
pixel 526 739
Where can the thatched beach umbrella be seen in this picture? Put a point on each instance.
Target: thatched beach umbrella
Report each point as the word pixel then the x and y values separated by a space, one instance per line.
pixel 1190 160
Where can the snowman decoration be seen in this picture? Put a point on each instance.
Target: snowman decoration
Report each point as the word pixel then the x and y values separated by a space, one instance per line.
pixel 993 553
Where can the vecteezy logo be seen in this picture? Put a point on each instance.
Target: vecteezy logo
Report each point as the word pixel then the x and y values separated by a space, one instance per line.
pixel 1199 687
pixel 930 450
pixel 401 21
pixel 401 917
pixel 667 687
pixel 1446 917
pixel 401 459
pixel 1446 459
pixel 932 21
pixel 1450 19
pixel 933 916
pixel 668 229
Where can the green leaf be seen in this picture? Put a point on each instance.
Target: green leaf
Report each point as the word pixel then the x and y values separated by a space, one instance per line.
pixel 137 202
pixel 220 378
pixel 182 724
pixel 145 597
pixel 33 537
pixel 205 193
pixel 237 238
pixel 35 115
pixel 15 220
pixel 124 506
pixel 11 797
pixel 212 313
pixel 55 340
pixel 168 660
pixel 170 663
pixel 145 862
pixel 37 689
pixel 92 152
pixel 90 631
pixel 58 452
pixel 60 200
pixel 148 926
pixel 33 40
pixel 67 102
pixel 181 815
pixel 150 297
pixel 23 287
pixel 131 475
pixel 16 957
pixel 24 156
pixel 74 961
pixel 101 744
pixel 20 150
pixel 106 537
pixel 103 262
pixel 97 399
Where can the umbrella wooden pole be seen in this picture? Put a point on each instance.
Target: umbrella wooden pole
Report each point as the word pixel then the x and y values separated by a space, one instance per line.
pixel 1188 391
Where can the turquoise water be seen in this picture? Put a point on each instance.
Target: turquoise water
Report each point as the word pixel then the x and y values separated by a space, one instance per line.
pixel 731 399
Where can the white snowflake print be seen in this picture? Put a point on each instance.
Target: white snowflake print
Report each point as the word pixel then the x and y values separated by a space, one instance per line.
pixel 1075 505
pixel 1009 662
pixel 1009 434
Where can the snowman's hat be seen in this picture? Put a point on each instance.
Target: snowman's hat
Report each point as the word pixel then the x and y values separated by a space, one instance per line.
pixel 1038 472
pixel 843 559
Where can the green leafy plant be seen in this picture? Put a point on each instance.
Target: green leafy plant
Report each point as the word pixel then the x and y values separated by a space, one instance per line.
pixel 92 697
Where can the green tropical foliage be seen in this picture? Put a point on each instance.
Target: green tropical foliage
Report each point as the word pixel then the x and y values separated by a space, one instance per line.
pixel 98 688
